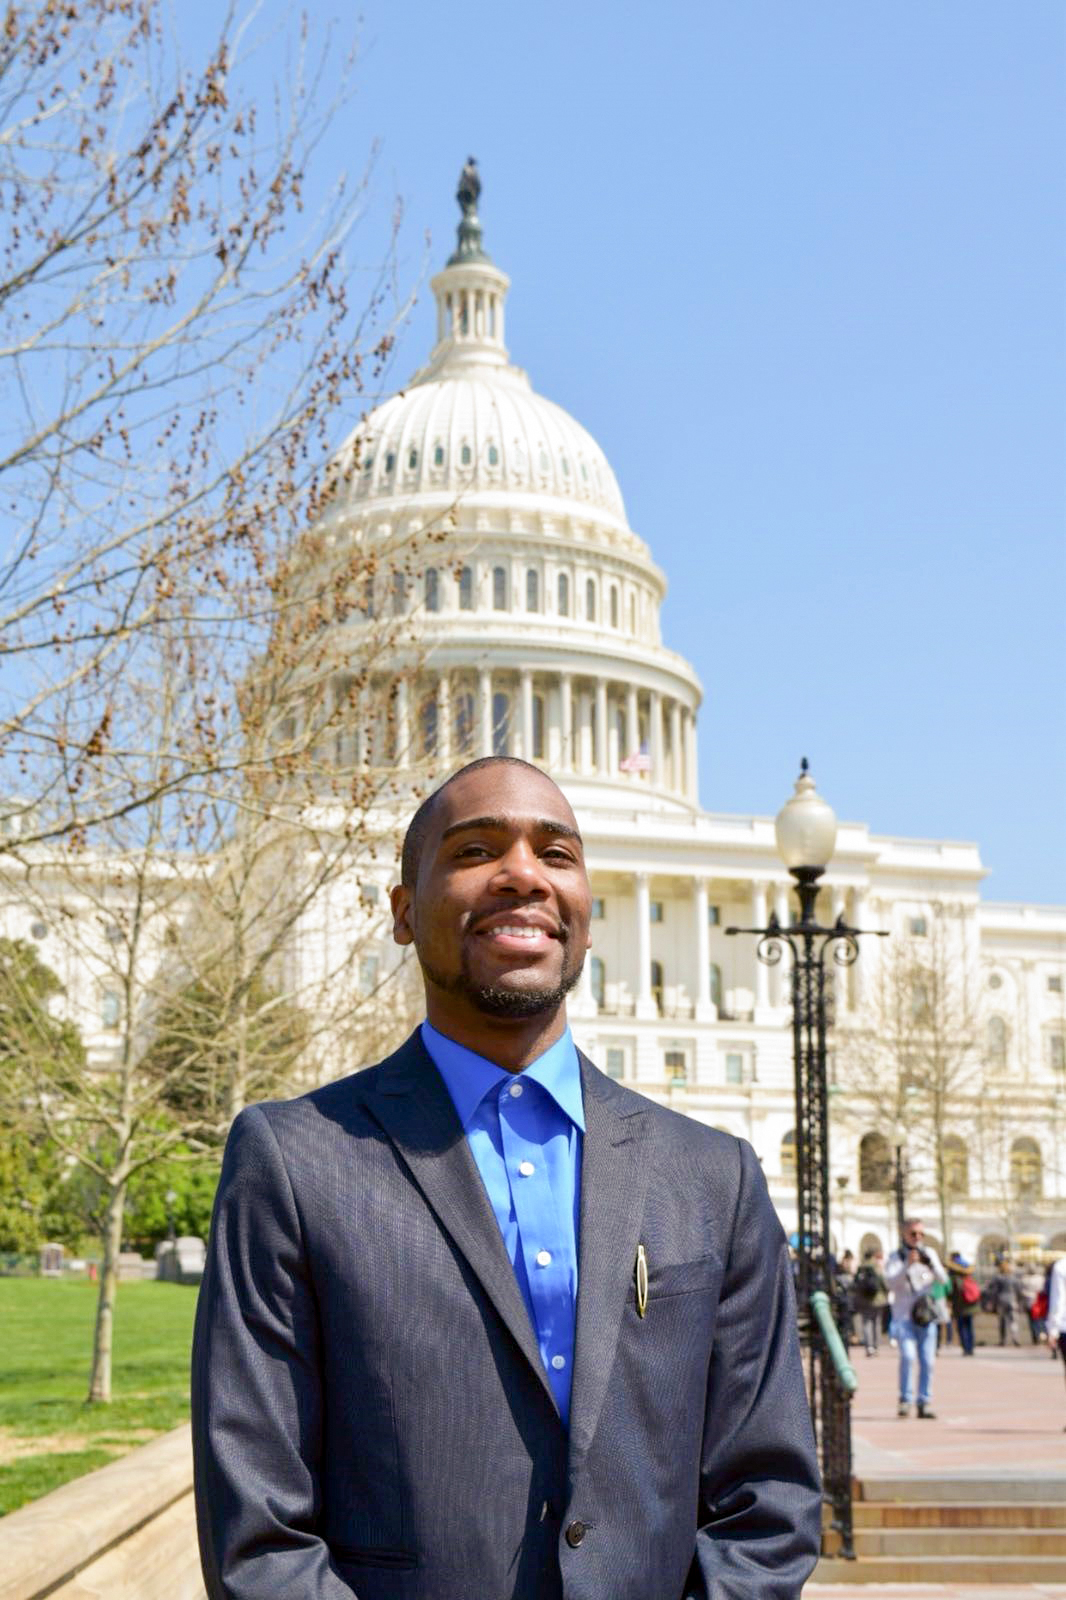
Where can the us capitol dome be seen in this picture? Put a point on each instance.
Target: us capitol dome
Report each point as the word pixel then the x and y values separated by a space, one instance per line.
pixel 539 615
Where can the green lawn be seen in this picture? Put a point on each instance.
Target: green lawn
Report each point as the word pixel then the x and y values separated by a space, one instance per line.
pixel 47 1432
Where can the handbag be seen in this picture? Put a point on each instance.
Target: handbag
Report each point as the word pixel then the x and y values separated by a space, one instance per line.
pixel 923 1312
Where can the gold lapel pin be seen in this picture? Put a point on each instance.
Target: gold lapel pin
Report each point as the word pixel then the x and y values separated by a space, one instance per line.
pixel 642 1280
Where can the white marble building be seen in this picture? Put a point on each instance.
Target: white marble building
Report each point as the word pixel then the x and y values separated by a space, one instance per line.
pixel 543 640
pixel 539 635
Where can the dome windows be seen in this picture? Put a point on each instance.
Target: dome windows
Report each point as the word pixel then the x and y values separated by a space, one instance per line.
pixel 614 605
pixel 499 588
pixel 432 589
pixel 390 461
pixel 466 455
pixel 566 468
pixel 590 599
pixel 562 595
pixel 532 590
pixel 545 464
pixel 438 455
pixel 466 589
pixel 494 456
pixel 412 460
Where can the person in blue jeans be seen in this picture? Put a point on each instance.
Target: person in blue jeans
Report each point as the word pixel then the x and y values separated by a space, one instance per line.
pixel 910 1273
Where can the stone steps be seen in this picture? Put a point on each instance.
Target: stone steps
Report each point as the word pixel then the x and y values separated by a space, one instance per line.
pixel 966 1530
pixel 980 1514
pixel 989 1571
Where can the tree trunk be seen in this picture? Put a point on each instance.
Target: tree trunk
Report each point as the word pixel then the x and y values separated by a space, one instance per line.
pixel 100 1379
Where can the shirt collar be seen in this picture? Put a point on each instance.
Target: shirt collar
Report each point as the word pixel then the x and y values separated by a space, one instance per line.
pixel 469 1077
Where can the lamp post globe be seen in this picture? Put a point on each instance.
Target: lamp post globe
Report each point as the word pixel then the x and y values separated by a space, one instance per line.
pixel 806 828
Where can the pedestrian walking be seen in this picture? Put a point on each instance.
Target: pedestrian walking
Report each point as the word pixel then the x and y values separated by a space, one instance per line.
pixel 871 1297
pixel 844 1297
pixel 910 1274
pixel 965 1299
pixel 1056 1307
pixel 1034 1301
pixel 1003 1294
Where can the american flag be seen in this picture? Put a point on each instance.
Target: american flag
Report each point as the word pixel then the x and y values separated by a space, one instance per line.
pixel 639 761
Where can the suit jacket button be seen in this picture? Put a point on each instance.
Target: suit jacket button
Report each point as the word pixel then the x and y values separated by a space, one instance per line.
pixel 575 1533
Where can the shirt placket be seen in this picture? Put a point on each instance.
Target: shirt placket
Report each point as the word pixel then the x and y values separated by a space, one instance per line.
pixel 544 1249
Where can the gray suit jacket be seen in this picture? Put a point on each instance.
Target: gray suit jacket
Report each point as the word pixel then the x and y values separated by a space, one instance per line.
pixel 370 1412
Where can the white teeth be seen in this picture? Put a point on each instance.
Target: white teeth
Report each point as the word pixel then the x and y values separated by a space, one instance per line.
pixel 519 933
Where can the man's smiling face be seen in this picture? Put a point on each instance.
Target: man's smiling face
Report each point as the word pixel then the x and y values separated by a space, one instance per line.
pixel 499 911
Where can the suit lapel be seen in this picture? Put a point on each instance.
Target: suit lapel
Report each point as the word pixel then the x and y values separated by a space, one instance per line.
pixel 413 1106
pixel 614 1181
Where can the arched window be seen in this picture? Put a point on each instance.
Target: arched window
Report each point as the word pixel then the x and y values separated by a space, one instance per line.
pixel 429 725
pixel 921 1001
pixel 620 732
pixel 432 589
pixel 716 986
pixel 562 590
pixel 996 1042
pixel 590 599
pixel 598 981
pixel 1026 1169
pixel 875 1163
pixel 657 985
pixel 399 594
pixel 538 727
pixel 532 589
pixel 788 1154
pixel 438 455
pixel 956 1163
pixel 466 589
pixel 368 598
pixel 494 456
pixel 466 455
pixel 614 605
pixel 501 724
pixel 633 613
pixel 499 588
pixel 412 460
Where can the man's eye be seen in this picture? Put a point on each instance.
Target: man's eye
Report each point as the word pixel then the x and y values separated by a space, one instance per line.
pixel 557 853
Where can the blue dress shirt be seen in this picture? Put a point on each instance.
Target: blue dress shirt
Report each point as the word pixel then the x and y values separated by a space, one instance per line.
pixel 525 1131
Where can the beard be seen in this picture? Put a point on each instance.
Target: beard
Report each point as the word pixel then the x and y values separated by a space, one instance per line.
pixel 493 1000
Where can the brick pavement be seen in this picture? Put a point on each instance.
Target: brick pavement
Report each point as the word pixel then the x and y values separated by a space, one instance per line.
pixel 1000 1414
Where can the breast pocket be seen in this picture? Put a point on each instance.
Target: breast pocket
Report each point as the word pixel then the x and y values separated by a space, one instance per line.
pixel 702 1276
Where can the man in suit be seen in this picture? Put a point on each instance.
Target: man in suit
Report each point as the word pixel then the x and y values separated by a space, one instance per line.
pixel 479 1323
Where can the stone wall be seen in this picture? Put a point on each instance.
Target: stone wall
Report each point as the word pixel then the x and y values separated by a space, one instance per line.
pixel 126 1532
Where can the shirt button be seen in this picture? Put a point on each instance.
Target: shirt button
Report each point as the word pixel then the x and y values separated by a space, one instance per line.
pixel 515 1090
pixel 526 1168
pixel 575 1533
pixel 558 1362
pixel 544 1258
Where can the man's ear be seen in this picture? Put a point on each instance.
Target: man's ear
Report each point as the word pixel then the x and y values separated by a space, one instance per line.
pixel 400 900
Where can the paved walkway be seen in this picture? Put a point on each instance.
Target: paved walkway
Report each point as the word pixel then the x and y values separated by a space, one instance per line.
pixel 999 1413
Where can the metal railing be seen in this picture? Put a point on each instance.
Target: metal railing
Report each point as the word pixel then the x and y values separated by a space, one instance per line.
pixel 836 1381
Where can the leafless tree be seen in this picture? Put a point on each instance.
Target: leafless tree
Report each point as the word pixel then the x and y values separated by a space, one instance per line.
pixel 176 337
pixel 913 1058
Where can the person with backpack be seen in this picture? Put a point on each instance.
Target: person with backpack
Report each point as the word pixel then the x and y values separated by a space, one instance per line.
pixel 871 1296
pixel 965 1299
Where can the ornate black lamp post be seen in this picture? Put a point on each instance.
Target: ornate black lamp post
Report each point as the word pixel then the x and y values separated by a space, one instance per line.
pixel 806 835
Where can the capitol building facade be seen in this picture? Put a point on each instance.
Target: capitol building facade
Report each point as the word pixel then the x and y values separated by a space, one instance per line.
pixel 540 627
pixel 536 610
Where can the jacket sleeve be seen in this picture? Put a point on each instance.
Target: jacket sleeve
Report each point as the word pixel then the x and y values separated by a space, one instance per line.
pixel 760 1492
pixel 256 1388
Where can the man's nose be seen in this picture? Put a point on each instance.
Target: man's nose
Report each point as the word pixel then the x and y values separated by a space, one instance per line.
pixel 521 870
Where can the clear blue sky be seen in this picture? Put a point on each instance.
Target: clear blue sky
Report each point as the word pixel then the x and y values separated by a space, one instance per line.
pixel 800 270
